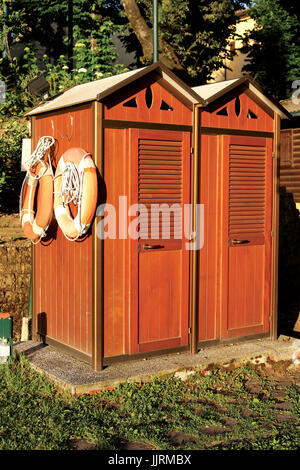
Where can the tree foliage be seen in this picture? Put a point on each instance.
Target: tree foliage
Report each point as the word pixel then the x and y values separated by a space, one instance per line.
pixel 274 45
pixel 35 38
pixel 193 33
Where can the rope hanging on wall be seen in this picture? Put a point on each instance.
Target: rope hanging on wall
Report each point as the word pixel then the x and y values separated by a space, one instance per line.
pixel 39 174
pixel 75 182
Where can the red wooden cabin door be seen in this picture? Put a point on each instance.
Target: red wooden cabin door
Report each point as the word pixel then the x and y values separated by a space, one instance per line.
pixel 247 209
pixel 159 261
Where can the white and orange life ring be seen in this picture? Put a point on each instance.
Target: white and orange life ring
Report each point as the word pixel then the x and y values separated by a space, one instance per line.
pixel 37 190
pixel 75 168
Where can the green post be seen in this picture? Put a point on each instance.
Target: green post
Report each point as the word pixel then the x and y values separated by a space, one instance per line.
pixel 155 31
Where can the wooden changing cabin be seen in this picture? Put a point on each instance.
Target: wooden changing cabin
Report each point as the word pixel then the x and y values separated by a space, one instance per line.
pixel 157 141
pixel 237 133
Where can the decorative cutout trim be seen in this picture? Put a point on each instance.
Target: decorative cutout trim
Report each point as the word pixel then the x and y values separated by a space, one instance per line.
pixel 130 103
pixel 237 106
pixel 148 97
pixel 165 106
pixel 223 112
pixel 251 115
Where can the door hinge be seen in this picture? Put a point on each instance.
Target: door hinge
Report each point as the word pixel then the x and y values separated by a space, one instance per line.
pixel 192 150
pixel 273 154
pixel 138 248
pixel 189 331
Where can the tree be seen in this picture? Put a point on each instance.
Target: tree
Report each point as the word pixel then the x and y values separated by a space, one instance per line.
pixel 35 38
pixel 274 46
pixel 193 34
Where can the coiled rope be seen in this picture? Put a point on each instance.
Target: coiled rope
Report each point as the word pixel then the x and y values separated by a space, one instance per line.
pixel 71 190
pixel 36 157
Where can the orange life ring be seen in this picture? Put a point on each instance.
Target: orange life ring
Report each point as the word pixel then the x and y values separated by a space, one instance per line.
pixel 85 168
pixel 38 184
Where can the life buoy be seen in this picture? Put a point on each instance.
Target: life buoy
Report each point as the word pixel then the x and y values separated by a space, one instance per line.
pixel 75 181
pixel 38 184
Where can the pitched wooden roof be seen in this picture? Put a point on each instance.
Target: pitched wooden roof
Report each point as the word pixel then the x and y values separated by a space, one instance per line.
pixel 100 89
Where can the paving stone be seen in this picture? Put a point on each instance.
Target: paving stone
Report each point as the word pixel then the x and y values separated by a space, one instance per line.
pixel 81 444
pixel 279 395
pixel 179 438
pixel 286 406
pixel 238 401
pixel 198 411
pixel 135 445
pixel 253 387
pixel 220 408
pixel 229 422
pixel 285 418
pixel 213 430
pixel 248 414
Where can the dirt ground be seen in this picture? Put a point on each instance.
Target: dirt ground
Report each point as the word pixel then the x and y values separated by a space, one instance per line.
pixel 11 229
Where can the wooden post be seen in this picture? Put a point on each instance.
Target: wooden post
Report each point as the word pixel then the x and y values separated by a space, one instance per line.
pixel 194 253
pixel 98 246
pixel 275 229
pixel 33 252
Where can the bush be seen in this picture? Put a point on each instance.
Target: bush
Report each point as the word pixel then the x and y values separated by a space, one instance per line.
pixel 11 132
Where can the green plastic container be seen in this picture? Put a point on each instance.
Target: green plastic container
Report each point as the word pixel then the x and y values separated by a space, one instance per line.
pixel 6 331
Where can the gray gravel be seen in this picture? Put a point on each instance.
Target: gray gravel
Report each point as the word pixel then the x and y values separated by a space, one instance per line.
pixel 79 377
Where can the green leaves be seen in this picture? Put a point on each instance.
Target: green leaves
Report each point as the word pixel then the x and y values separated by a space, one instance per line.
pixel 197 31
pixel 275 55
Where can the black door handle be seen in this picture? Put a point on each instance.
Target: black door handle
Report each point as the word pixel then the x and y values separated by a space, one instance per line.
pixel 152 247
pixel 239 242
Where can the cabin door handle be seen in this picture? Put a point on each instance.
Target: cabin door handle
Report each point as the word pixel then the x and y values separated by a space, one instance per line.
pixel 152 247
pixel 239 242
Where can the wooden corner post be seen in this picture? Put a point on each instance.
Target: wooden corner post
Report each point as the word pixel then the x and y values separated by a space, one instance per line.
pixel 195 177
pixel 275 229
pixel 98 352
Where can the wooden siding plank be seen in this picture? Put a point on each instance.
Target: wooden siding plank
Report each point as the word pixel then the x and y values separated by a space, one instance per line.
pixel 60 262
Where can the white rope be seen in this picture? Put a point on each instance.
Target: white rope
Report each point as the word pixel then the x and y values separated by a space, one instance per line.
pixel 37 155
pixel 71 184
pixel 71 190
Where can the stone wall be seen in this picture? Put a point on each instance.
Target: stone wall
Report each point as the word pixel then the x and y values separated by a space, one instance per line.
pixel 15 269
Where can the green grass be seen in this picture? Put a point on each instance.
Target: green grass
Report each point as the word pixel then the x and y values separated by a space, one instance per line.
pixel 35 415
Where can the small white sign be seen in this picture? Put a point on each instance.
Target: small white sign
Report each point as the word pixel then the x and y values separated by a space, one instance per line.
pixel 26 153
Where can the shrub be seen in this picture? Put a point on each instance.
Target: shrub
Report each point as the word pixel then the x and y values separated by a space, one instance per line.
pixel 12 132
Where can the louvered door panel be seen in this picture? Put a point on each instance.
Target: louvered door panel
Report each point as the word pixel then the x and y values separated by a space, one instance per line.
pixel 160 262
pixel 248 201
pixel 247 190
pixel 160 182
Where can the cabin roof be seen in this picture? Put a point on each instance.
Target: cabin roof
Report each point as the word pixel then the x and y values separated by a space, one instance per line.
pixel 212 91
pixel 100 89
pixel 204 94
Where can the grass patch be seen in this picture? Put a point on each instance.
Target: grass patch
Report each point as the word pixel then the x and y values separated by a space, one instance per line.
pixel 235 409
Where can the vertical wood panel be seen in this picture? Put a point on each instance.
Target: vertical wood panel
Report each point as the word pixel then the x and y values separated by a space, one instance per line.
pixel 63 269
pixel 114 250
pixel 209 254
